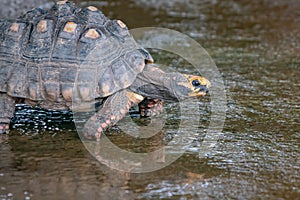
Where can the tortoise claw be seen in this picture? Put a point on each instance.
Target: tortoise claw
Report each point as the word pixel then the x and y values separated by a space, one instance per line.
pixel 95 126
pixel 4 128
pixel 150 107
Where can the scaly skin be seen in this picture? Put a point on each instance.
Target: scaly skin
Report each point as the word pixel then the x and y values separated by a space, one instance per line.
pixel 113 109
pixel 150 107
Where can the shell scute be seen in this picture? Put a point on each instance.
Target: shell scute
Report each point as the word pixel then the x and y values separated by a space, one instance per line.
pixel 34 87
pixel 122 73
pixel 39 41
pixel 17 82
pixel 11 37
pixel 5 71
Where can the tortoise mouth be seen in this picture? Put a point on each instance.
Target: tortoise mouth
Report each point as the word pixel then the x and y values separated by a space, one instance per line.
pixel 199 91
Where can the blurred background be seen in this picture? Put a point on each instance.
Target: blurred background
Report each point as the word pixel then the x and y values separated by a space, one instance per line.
pixel 255 45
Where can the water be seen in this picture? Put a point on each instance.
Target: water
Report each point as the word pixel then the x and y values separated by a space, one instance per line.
pixel 255 45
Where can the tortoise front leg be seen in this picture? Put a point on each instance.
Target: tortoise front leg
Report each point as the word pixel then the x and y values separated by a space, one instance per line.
pixel 7 109
pixel 114 109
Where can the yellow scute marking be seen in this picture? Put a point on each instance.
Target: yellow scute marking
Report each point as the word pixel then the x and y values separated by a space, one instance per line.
pixel 92 33
pixel 62 2
pixel 67 94
pixel 121 24
pixel 92 8
pixel 70 27
pixel 105 89
pixel 42 26
pixel 15 27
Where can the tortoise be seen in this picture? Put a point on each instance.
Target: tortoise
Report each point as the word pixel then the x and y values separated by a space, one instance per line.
pixel 41 59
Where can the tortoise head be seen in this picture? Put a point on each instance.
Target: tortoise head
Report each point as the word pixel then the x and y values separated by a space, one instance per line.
pixel 190 86
pixel 155 83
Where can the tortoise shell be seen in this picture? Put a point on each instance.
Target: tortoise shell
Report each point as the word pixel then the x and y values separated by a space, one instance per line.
pixel 44 53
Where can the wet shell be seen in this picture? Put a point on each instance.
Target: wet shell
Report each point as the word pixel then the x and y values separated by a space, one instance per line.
pixel 53 54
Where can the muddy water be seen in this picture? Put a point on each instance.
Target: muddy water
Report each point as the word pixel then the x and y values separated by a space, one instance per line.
pixel 255 45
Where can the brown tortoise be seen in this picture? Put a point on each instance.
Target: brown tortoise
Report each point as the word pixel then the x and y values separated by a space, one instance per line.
pixel 45 61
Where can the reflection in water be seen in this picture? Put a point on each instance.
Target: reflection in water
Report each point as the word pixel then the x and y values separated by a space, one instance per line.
pixel 60 169
pixel 256 47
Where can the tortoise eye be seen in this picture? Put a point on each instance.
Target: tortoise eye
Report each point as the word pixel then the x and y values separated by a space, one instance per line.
pixel 195 83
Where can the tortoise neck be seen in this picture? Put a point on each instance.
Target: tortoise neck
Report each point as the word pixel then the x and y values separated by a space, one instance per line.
pixel 155 83
pixel 153 75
